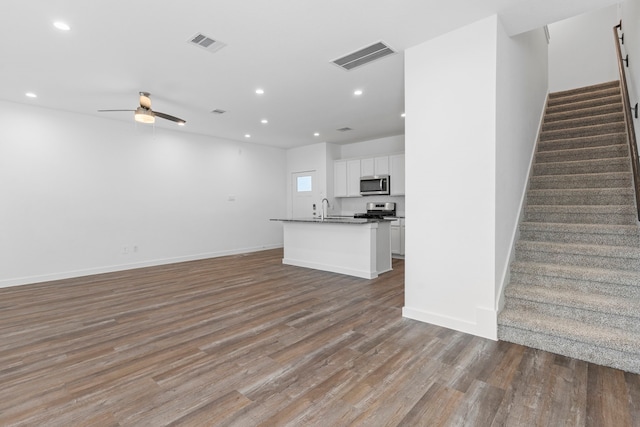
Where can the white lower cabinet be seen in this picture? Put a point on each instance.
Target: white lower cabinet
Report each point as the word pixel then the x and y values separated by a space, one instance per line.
pixel 397 237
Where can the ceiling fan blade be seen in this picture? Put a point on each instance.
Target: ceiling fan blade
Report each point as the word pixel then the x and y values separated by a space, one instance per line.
pixel 107 111
pixel 169 117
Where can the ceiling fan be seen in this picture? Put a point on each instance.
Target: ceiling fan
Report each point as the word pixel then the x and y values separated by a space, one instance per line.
pixel 144 113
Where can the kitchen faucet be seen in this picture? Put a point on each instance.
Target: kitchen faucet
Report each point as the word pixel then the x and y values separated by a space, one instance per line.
pixel 324 214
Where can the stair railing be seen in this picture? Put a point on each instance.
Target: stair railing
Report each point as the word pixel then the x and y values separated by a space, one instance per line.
pixel 633 145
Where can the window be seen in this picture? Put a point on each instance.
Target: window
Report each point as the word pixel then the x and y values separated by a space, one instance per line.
pixel 304 184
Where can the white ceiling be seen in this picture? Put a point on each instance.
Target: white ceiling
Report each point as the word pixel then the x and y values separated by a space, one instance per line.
pixel 117 48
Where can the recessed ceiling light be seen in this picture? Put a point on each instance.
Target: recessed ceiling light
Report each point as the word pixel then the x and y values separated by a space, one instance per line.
pixel 403 115
pixel 357 92
pixel 264 121
pixel 259 91
pixel 316 134
pixel 246 135
pixel 62 26
pixel 30 95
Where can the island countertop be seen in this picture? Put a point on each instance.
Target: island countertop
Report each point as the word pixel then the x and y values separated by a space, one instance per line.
pixel 334 220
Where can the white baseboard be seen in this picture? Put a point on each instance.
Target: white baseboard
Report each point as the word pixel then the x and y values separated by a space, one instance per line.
pixel 5 283
pixel 485 326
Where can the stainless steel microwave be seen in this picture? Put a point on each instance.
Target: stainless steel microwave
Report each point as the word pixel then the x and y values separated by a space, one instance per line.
pixel 370 185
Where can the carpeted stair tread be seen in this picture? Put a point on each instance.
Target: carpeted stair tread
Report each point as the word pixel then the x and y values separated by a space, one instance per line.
pixel 587 214
pixel 615 257
pixel 570 298
pixel 602 101
pixel 586 89
pixel 582 131
pixel 581 196
pixel 587 153
pixel 628 252
pixel 612 105
pixel 580 233
pixel 601 275
pixel 618 164
pixel 556 99
pixel 566 336
pixel 584 180
pixel 583 142
pixel 627 230
pixel 582 121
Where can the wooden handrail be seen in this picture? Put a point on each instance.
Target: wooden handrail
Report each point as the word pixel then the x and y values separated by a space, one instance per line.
pixel 631 134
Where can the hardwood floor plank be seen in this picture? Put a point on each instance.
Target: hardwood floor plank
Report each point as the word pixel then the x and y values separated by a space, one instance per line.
pixel 245 340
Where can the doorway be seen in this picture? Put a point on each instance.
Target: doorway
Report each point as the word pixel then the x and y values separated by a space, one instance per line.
pixel 305 195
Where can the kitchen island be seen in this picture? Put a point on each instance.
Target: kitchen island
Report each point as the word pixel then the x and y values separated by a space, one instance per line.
pixel 354 246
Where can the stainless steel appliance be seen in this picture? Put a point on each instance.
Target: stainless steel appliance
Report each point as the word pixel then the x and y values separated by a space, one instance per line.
pixel 374 185
pixel 378 210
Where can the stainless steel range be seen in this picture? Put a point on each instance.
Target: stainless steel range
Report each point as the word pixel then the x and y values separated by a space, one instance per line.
pixel 378 210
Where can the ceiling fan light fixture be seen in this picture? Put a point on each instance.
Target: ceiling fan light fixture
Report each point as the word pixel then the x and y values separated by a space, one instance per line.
pixel 144 116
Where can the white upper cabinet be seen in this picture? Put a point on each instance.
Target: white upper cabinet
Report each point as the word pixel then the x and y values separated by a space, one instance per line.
pixel 353 178
pixel 396 172
pixel 374 166
pixel 340 178
pixel 346 178
pixel 347 174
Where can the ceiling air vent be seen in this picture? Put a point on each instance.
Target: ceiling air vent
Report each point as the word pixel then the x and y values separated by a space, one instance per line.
pixel 364 56
pixel 344 129
pixel 206 43
pixel 218 111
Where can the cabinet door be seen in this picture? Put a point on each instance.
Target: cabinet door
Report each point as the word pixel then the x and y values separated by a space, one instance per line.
pixel 340 178
pixel 402 238
pixel 353 178
pixel 396 173
pixel 367 167
pixel 395 240
pixel 381 165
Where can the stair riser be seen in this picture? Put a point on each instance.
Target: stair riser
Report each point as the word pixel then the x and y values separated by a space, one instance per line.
pixel 587 199
pixel 582 132
pixel 609 152
pixel 596 318
pixel 569 168
pixel 631 240
pixel 577 143
pixel 582 351
pixel 581 218
pixel 576 284
pixel 563 99
pixel 583 121
pixel 578 260
pixel 609 108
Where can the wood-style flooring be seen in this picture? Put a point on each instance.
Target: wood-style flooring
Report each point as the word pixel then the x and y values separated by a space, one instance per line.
pixel 247 341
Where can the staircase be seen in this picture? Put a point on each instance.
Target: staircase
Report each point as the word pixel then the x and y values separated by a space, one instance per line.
pixel 575 280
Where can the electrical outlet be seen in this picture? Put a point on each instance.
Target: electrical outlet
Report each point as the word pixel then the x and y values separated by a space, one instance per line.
pixel 125 249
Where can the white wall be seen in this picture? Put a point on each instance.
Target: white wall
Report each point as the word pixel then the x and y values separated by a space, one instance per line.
pixel 630 15
pixel 373 147
pixel 582 50
pixel 474 99
pixel 450 101
pixel 521 95
pixel 77 189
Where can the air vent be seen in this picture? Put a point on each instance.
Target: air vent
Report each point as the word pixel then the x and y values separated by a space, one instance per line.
pixel 344 129
pixel 218 111
pixel 364 56
pixel 206 43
